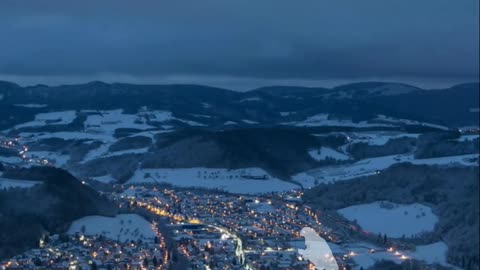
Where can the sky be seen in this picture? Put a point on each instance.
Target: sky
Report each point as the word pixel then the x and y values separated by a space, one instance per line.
pixel 240 44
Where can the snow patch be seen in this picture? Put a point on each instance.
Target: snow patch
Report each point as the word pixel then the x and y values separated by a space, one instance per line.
pixel 123 228
pixel 241 181
pixel 371 166
pixel 388 119
pixel 104 178
pixel 325 152
pixel 31 105
pixel 326 120
pixel 51 118
pixel 57 159
pixel 250 99
pixel 317 250
pixel 432 253
pixel 6 183
pixel 249 122
pixel 394 220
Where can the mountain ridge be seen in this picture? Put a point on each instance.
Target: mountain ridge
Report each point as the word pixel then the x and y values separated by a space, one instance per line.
pixel 266 105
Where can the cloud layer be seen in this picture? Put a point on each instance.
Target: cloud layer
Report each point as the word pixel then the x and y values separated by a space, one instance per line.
pixel 265 40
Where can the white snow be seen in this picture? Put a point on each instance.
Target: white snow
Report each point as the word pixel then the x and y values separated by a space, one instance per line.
pixel 104 178
pixel 325 120
pixel 6 183
pixel 123 228
pixel 57 159
pixel 191 123
pixel 200 115
pixel 375 165
pixel 11 160
pixel 326 152
pixel 128 151
pixel 474 110
pixel 261 207
pixel 31 105
pixel 250 99
pixel 394 220
pixel 388 119
pixel 66 135
pixel 157 116
pixel 51 118
pixel 98 152
pixel 305 180
pixel 287 113
pixel 360 253
pixel 235 181
pixel 317 250
pixel 249 122
pixel 432 253
pixel 467 138
pixel 106 122
pixel 163 116
pixel 377 138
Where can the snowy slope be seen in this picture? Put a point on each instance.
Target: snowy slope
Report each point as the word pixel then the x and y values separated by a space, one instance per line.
pixel 371 166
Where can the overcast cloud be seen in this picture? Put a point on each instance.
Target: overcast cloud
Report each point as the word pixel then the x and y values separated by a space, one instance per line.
pixel 239 43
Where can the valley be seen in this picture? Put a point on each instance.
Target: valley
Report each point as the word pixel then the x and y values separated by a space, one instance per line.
pixel 140 179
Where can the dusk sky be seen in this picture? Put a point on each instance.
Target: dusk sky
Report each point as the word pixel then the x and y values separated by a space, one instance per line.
pixel 240 44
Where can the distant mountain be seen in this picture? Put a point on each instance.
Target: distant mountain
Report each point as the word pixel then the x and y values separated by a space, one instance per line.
pixel 454 107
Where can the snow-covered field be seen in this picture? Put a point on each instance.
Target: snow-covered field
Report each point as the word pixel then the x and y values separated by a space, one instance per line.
pixel 377 138
pixel 373 166
pixel 393 120
pixel 325 152
pixel 163 116
pixel 106 122
pixel 394 220
pixel 66 135
pixel 432 253
pixel 101 126
pixel 234 181
pixel 324 120
pixel 123 228
pixel 361 254
pixel 51 118
pixel 6 183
